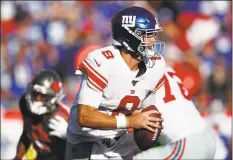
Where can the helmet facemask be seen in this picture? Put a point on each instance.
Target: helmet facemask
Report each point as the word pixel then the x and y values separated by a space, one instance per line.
pixel 41 99
pixel 148 48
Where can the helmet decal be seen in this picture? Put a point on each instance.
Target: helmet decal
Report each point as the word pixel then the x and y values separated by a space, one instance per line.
pixel 142 22
pixel 128 21
pixel 56 86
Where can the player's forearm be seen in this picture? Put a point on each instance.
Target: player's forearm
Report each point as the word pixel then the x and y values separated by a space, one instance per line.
pixel 22 146
pixel 90 117
pixel 21 150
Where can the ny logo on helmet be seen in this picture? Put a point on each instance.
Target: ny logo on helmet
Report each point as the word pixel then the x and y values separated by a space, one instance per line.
pixel 128 21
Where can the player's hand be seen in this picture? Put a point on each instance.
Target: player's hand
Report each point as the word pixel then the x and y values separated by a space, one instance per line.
pixel 144 120
pixel 58 125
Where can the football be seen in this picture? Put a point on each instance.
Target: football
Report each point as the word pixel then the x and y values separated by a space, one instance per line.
pixel 144 138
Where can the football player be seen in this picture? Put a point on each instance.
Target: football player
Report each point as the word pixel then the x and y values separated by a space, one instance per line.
pixel 44 119
pixel 185 134
pixel 116 80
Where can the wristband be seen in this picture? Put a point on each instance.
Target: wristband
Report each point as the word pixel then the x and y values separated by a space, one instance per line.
pixel 121 121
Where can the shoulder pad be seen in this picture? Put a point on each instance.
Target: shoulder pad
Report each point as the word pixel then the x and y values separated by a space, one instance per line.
pixel 95 66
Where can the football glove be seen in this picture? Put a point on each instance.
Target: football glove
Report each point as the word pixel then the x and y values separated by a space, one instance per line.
pixel 58 126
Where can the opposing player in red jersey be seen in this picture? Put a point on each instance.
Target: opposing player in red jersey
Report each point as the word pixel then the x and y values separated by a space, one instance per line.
pixel 44 118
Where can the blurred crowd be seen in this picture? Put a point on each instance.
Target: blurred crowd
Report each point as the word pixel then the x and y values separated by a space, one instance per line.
pixel 38 35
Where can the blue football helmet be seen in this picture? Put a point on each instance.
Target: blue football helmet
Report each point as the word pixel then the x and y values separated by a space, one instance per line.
pixel 131 26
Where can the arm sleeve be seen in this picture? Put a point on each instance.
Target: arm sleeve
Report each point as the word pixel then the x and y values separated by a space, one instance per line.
pixel 95 70
pixel 23 145
pixel 94 81
pixel 88 95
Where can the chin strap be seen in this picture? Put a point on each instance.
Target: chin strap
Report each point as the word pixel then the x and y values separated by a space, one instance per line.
pixel 149 62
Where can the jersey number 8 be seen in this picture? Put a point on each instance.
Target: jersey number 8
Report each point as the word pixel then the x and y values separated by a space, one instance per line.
pixel 108 54
pixel 133 100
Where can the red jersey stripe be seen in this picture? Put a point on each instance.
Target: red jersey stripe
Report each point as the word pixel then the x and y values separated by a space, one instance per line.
pixel 91 68
pixel 182 149
pixel 155 58
pixel 157 88
pixel 93 76
pixel 64 109
pixel 174 150
pixel 96 86
pixel 159 84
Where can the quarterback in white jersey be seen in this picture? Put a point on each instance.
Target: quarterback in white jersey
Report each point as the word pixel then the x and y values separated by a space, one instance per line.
pixel 116 81
pixel 185 134
pixel 112 88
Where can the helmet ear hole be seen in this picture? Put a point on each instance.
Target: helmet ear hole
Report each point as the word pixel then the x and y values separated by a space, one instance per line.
pixel 141 48
pixel 139 33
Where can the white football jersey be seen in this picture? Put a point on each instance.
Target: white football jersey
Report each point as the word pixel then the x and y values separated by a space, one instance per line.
pixel 113 88
pixel 181 118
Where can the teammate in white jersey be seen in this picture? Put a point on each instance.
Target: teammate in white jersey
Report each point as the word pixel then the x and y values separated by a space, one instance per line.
pixel 185 134
pixel 117 79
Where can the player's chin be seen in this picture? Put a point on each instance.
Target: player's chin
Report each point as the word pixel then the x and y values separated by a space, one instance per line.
pixel 139 58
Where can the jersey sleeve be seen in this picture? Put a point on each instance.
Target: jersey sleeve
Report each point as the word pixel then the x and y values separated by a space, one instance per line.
pixel 94 80
pixel 94 68
pixel 160 73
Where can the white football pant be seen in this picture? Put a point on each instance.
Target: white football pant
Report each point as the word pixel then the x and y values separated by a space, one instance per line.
pixel 201 145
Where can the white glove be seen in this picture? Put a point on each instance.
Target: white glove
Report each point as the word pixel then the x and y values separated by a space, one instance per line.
pixel 58 126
